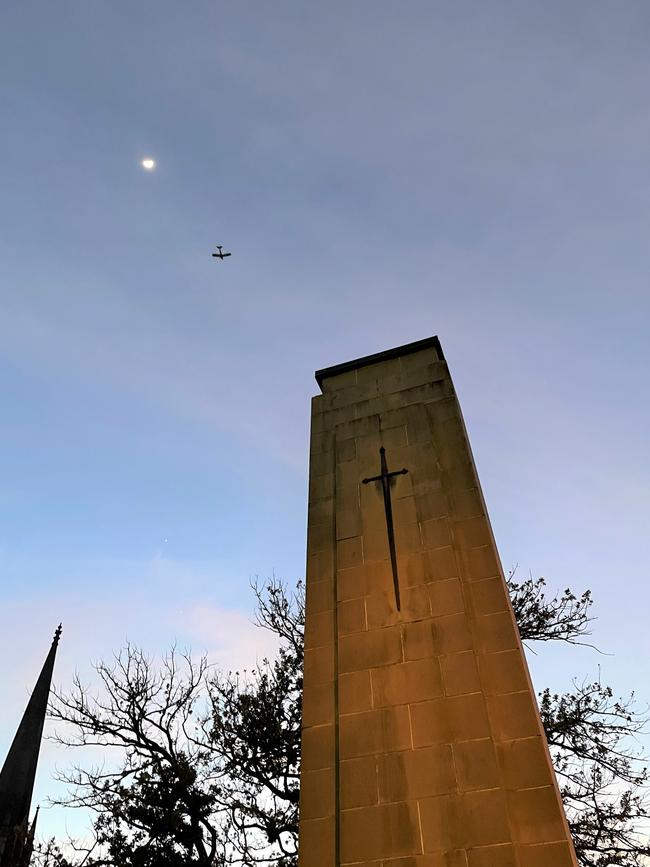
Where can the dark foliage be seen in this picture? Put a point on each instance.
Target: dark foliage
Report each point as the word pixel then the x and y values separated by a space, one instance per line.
pixel 602 777
pixel 254 728
pixel 563 617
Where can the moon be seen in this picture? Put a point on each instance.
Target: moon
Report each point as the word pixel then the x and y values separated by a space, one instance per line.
pixel 148 163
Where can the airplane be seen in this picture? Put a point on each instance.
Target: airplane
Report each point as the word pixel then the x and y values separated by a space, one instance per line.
pixel 221 254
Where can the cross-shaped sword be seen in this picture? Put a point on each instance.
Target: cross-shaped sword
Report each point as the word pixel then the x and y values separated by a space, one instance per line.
pixel 384 477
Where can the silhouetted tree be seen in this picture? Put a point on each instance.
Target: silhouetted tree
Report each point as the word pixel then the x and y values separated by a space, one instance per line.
pixel 208 762
pixel 601 777
pixel 591 736
pixel 254 725
pixel 156 796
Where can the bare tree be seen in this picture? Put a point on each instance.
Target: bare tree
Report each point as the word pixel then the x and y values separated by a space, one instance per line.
pixel 156 795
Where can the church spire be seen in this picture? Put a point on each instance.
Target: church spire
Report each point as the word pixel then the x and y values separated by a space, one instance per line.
pixel 19 770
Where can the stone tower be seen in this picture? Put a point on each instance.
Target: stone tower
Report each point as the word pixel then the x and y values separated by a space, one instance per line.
pixel 422 741
pixel 19 772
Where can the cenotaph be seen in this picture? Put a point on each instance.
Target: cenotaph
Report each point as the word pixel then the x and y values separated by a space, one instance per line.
pixel 422 741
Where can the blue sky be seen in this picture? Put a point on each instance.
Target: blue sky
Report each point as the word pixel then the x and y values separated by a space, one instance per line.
pixel 381 172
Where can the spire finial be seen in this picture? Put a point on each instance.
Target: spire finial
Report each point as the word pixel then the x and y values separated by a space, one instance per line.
pixel 57 633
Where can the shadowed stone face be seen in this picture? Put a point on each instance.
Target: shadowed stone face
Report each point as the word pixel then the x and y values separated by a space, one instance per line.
pixel 422 743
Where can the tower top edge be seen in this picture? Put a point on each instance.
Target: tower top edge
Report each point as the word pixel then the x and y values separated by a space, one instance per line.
pixel 386 355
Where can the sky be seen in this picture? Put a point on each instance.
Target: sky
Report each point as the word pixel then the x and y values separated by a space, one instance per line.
pixel 381 173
